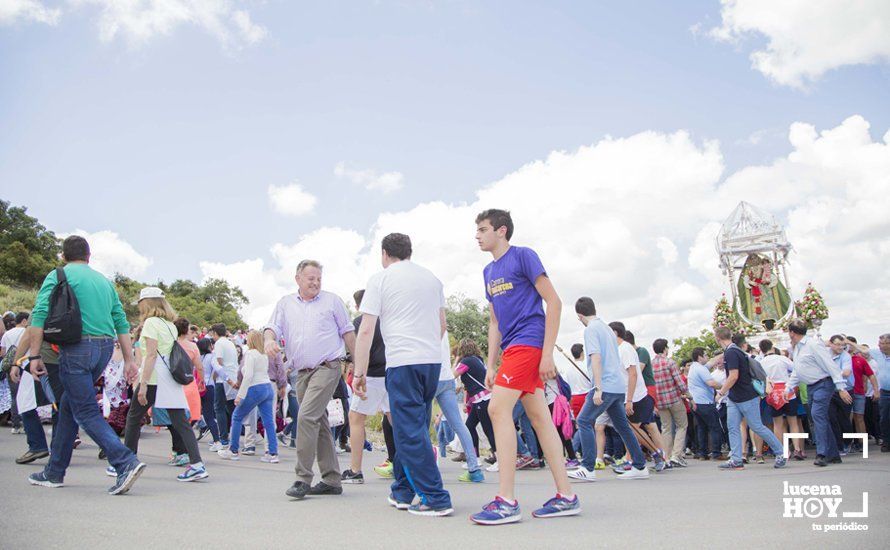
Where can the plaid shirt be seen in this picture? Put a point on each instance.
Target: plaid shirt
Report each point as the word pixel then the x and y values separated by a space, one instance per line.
pixel 669 387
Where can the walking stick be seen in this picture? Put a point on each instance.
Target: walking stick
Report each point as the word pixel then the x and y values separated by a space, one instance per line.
pixel 572 361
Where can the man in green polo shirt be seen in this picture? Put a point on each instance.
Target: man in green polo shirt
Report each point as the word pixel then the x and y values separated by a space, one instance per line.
pixel 81 365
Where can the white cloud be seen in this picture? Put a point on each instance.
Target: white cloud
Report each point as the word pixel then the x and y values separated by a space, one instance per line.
pixel 807 39
pixel 386 182
pixel 138 21
pixel 110 254
pixel 632 222
pixel 291 200
pixel 28 11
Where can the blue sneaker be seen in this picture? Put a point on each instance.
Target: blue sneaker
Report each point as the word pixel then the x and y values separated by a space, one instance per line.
pixel 368 446
pixel 126 479
pixel 498 512
pixel 110 471
pixel 39 478
pixel 421 509
pixel 781 461
pixel 193 474
pixel 559 506
pixel 475 476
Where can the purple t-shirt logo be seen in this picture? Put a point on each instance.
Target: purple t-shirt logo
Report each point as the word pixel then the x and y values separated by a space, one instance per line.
pixel 510 287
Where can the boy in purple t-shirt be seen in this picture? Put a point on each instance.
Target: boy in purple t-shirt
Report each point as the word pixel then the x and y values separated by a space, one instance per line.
pixel 516 286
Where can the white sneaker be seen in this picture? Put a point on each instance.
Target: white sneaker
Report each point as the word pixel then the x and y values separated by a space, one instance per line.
pixel 215 447
pixel 226 454
pixel 582 474
pixel 272 459
pixel 492 468
pixel 18 431
pixel 634 473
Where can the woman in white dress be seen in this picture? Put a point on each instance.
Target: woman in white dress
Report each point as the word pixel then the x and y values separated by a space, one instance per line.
pixel 156 386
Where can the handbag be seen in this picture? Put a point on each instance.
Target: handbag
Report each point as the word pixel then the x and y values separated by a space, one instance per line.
pixel 336 416
pixel 180 365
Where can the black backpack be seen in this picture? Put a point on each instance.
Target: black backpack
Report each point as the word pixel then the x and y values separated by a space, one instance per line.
pixel 180 365
pixel 63 324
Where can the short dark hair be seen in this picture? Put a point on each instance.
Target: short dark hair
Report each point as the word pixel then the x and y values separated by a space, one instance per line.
pixel 75 249
pixel 194 328
pixel 357 296
pixel 630 338
pixel 797 327
pixel 205 345
pixel 723 333
pixel 697 353
pixel 739 340
pixel 585 306
pixel 853 339
pixel 497 219
pixel 397 245
pixel 182 326
pixel 765 345
pixel 659 345
pixel 219 329
pixel 836 337
pixel 577 351
pixel 22 316
pixel 619 329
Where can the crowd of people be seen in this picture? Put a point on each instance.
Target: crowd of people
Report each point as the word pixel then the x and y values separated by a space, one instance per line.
pixel 311 379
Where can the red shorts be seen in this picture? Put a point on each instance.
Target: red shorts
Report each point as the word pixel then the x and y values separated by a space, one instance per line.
pixel 652 391
pixel 520 369
pixel 578 403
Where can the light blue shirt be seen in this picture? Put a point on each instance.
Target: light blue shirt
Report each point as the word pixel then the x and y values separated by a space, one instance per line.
pixel 845 362
pixel 600 339
pixel 883 370
pixel 812 362
pixel 702 393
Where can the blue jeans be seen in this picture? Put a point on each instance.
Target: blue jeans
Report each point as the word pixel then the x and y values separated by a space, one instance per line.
pixel 293 410
pixel 819 396
pixel 447 399
pixel 528 446
pixel 208 411
pixel 258 397
pixel 750 411
pixel 220 411
pixel 613 403
pixel 707 426
pixel 34 431
pixel 80 366
pixel 412 389
pixel 444 436
pixel 884 405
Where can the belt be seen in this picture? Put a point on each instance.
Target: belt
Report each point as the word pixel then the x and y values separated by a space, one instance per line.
pixel 96 337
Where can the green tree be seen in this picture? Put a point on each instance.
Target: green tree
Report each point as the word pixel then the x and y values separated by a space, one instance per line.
pixel 683 346
pixel 467 318
pixel 28 250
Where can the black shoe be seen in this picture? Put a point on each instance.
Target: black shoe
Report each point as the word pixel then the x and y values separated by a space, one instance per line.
pixel 491 459
pixel 102 455
pixel 322 488
pixel 885 448
pixel 835 460
pixel 298 490
pixel 348 476
pixel 202 432
pixel 820 461
pixel 31 456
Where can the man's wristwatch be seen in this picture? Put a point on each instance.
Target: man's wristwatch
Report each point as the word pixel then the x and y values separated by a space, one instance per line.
pixel 34 357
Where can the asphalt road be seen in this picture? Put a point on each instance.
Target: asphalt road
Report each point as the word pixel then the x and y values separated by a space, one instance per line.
pixel 243 505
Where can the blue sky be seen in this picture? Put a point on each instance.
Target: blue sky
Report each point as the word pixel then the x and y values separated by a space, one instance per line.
pixel 172 141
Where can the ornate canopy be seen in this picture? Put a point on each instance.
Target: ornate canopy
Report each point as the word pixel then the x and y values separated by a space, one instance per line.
pixel 753 251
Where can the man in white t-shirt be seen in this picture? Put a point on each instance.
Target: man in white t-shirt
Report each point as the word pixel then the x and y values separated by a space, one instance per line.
pixel 226 356
pixel 410 303
pixel 639 405
pixel 13 335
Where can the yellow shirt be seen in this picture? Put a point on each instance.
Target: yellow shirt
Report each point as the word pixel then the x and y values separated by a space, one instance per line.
pixel 162 331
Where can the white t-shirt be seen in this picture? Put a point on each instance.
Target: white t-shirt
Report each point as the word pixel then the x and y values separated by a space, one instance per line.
pixel 11 338
pixel 445 373
pixel 777 367
pixel 408 300
pixel 225 350
pixel 630 358
pixel 719 376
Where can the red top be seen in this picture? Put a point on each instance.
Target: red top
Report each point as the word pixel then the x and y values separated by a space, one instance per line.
pixel 861 370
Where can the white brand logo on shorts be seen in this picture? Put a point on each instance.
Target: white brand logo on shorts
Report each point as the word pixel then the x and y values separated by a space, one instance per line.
pixel 508 378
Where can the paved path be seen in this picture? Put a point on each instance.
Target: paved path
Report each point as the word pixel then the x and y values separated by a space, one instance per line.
pixel 243 505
